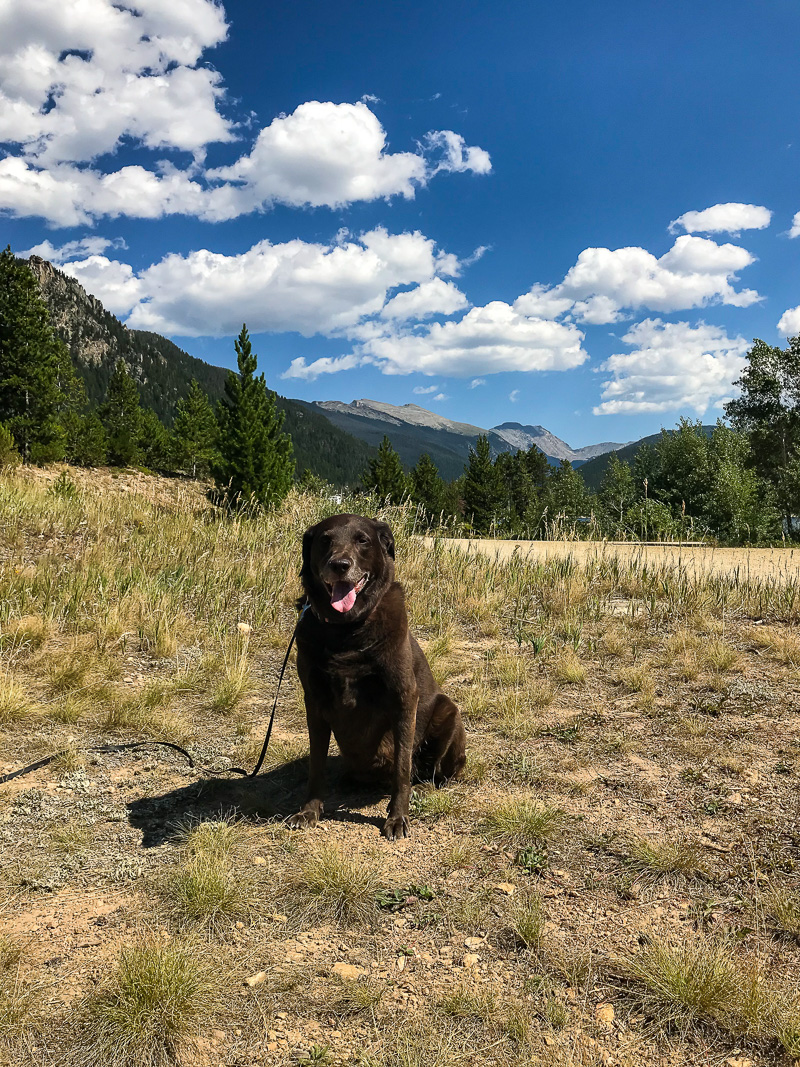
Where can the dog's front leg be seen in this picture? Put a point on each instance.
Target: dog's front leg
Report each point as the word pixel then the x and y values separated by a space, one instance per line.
pixel 319 737
pixel 396 825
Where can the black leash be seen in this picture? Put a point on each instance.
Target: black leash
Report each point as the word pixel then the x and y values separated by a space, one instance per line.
pixel 128 746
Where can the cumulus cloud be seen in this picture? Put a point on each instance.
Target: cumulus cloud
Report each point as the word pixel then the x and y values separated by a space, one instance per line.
pixel 606 286
pixel 476 382
pixel 441 396
pixel 335 289
pixel 84 246
pixel 789 323
pixel 322 155
pixel 76 78
pixel 455 155
pixel 723 218
pixel 113 283
pixel 513 396
pixel 673 365
pixel 422 390
pixel 80 78
pixel 795 230
pixel 436 297
pixel 489 339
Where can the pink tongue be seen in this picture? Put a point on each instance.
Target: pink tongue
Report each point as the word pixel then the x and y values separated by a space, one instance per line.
pixel 343 596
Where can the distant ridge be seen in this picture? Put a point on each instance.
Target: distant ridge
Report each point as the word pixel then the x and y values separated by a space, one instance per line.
pixel 414 430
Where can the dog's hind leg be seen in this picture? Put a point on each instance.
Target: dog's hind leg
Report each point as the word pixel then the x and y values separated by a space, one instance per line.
pixel 446 741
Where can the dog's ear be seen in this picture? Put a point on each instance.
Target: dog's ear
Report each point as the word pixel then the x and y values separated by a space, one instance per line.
pixel 308 537
pixel 385 536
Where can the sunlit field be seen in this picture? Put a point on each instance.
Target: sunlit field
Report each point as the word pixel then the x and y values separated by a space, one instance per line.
pixel 614 880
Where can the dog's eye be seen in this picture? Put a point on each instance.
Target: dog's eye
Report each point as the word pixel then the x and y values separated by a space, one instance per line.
pixel 362 540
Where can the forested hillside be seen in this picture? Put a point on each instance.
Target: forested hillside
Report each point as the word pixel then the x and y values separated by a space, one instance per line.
pixel 163 372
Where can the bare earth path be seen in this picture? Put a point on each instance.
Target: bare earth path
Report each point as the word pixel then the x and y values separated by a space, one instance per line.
pixel 779 564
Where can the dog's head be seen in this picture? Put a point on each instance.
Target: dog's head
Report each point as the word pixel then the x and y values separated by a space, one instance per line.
pixel 348 564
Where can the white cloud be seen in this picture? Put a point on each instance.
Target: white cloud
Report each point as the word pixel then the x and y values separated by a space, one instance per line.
pixel 78 76
pixel 84 246
pixel 435 297
pixel 674 365
pixel 421 390
pixel 606 285
pixel 81 77
pixel 476 382
pixel 113 283
pixel 723 218
pixel 321 155
pixel 333 289
pixel 327 365
pixel 789 323
pixel 455 155
pixel 795 230
pixel 489 339
pixel 513 396
pixel 441 396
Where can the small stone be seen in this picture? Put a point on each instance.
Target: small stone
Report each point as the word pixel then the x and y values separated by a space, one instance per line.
pixel 256 979
pixel 217 1036
pixel 272 1046
pixel 244 628
pixel 506 887
pixel 348 971
pixel 259 861
pixel 279 918
pixel 240 925
pixel 735 799
pixel 400 963
pixel 470 960
pixel 739 1061
pixel 473 942
pixel 604 1014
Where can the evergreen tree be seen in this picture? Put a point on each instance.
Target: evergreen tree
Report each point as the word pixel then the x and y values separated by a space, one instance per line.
pixel 385 476
pixel 122 418
pixel 196 433
pixel 256 461
pixel 617 490
pixel 31 359
pixel 9 456
pixel 427 488
pixel 768 411
pixel 484 495
pixel 86 443
pixel 155 442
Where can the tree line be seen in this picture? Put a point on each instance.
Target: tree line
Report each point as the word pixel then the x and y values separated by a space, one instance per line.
pixel 738 484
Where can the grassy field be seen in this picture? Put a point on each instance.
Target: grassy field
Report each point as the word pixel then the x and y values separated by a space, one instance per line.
pixel 615 882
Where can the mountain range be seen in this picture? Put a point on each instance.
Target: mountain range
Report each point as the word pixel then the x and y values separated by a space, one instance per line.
pixel 332 439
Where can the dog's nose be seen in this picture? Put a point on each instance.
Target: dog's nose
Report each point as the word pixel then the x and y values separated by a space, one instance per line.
pixel 341 566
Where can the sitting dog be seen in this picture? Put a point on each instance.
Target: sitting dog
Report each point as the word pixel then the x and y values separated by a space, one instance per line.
pixel 365 679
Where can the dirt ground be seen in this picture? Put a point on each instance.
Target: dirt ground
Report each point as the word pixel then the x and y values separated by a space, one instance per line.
pixel 778 564
pixel 634 758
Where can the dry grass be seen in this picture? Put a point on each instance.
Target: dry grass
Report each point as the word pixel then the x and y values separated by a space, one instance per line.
pixel 620 711
pixel 147 1012
pixel 330 884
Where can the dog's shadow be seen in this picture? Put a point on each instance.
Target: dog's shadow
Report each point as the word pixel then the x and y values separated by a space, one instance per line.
pixel 274 795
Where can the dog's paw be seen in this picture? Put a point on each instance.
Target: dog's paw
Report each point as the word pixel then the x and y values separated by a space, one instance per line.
pixel 396 827
pixel 302 819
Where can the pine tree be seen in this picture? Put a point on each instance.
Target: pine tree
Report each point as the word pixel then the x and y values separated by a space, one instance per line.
pixel 31 359
pixel 86 444
pixel 484 494
pixel 385 476
pixel 122 418
pixel 427 488
pixel 256 461
pixel 155 442
pixel 196 432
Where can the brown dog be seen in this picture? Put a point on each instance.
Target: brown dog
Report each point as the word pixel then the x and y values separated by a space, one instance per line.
pixel 364 676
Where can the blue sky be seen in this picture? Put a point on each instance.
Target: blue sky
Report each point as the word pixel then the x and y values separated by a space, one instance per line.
pixel 577 215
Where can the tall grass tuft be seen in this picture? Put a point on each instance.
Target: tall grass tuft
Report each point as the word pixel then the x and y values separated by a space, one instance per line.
pixel 149 1011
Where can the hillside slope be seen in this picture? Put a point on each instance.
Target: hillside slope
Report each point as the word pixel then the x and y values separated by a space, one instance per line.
pixel 594 469
pixel 96 340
